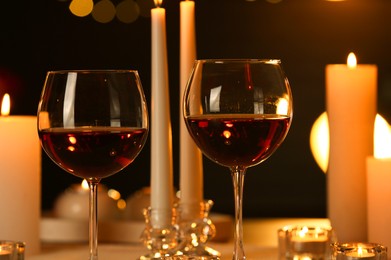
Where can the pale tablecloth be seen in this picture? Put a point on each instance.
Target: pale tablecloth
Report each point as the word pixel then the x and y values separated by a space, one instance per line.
pixel 260 238
pixel 129 252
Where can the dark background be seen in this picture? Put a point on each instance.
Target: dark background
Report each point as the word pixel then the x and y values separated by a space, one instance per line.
pixel 37 36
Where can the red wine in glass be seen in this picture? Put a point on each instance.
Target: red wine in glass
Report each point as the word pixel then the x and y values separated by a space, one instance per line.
pixel 232 140
pixel 92 124
pixel 95 152
pixel 238 112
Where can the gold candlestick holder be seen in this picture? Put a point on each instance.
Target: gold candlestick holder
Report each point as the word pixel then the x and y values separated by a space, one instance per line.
pixel 160 240
pixel 195 230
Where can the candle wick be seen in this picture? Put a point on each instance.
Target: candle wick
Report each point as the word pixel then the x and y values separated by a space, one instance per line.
pixel 158 3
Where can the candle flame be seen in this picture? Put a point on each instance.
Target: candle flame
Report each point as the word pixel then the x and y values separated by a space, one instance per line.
pixel 303 231
pixel 282 106
pixel 359 251
pixel 84 185
pixel 158 3
pixel 382 138
pixel 352 60
pixel 227 134
pixel 6 105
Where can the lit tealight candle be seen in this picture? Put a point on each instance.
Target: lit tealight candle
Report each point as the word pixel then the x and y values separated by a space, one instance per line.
pixel 73 203
pixel 359 251
pixel 313 240
pixel 360 254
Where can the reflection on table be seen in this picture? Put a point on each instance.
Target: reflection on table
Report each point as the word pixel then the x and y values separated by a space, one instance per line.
pixel 260 237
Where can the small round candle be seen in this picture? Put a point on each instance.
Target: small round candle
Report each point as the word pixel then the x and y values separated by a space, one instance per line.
pixel 312 240
pixel 360 254
pixel 359 251
pixel 72 204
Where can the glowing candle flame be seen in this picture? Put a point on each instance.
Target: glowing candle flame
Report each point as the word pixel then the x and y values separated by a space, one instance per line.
pixel 227 134
pixel 352 60
pixel 359 251
pixel 303 232
pixel 6 105
pixel 282 106
pixel 84 185
pixel 382 138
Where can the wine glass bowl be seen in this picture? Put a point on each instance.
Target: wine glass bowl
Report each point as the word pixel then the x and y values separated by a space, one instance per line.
pixel 238 112
pixel 92 124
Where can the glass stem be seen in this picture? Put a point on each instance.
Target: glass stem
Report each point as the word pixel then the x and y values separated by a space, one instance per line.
pixel 238 173
pixel 93 233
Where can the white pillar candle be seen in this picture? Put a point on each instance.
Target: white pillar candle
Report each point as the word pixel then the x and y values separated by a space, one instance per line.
pixel 351 107
pixel 161 135
pixel 379 197
pixel 378 180
pixel 20 181
pixel 191 173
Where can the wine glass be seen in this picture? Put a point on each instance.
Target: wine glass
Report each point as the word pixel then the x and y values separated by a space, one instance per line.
pixel 92 123
pixel 238 112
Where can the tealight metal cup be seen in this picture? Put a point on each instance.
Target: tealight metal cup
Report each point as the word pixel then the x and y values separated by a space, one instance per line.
pixel 305 242
pixel 359 251
pixel 11 250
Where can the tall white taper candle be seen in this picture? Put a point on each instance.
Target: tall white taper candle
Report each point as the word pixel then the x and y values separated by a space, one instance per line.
pixel 191 173
pixel 161 135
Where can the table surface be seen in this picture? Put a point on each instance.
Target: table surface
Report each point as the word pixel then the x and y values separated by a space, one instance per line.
pixel 260 239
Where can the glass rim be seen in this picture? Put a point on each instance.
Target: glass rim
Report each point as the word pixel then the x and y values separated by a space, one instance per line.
pixel 241 60
pixel 65 71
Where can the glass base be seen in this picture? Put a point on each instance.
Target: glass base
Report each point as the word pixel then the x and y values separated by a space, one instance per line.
pixel 195 230
pixel 161 239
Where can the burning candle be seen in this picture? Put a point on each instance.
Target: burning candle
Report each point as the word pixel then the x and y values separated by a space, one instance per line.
pixel 359 251
pixel 71 204
pixel 379 178
pixel 20 178
pixel 360 254
pixel 351 107
pixel 191 174
pixel 309 241
pixel 161 136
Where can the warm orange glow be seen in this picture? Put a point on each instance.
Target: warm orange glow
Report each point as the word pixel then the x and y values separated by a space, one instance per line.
pixel 158 3
pixel 115 195
pixel 359 251
pixel 84 185
pixel 81 8
pixel 320 146
pixel 6 105
pixel 227 134
pixel 352 60
pixel 320 141
pixel 71 148
pixel 121 204
pixel 303 232
pixel 72 139
pixel 382 138
pixel 282 106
